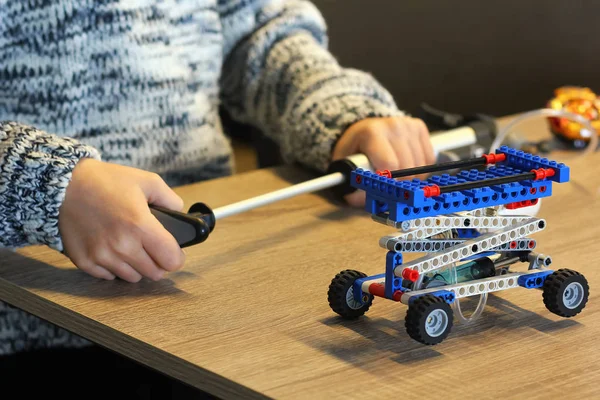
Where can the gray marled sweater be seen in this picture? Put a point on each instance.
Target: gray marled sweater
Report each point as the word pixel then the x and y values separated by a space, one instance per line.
pixel 139 83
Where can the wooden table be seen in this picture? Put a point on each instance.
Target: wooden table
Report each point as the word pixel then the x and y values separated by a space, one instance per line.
pixel 248 316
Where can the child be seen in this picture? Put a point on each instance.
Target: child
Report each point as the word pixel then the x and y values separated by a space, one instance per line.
pixel 108 104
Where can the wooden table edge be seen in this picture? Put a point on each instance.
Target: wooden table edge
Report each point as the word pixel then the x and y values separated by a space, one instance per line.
pixel 125 345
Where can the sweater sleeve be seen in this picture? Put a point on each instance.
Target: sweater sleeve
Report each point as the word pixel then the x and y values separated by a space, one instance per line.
pixel 279 77
pixel 35 169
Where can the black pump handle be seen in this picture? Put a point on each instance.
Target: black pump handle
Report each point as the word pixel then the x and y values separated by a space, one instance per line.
pixel 187 229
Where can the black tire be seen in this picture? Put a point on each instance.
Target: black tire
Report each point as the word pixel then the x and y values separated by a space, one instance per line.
pixel 566 292
pixel 417 318
pixel 338 290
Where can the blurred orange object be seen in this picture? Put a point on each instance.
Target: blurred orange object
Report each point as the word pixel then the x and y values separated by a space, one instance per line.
pixel 577 100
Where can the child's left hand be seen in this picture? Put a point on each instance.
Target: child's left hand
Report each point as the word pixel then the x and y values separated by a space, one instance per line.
pixel 389 143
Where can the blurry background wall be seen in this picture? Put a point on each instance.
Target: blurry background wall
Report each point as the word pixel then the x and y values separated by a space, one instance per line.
pixel 490 56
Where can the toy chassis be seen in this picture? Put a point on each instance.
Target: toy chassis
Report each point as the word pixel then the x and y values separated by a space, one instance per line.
pixel 469 247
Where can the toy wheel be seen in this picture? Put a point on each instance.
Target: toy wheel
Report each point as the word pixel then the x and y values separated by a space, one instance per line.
pixel 429 319
pixel 565 292
pixel 341 295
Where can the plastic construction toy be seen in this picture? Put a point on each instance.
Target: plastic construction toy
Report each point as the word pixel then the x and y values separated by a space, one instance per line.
pixel 577 100
pixel 469 247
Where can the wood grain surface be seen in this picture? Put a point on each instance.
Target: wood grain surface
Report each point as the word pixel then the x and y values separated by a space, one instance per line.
pixel 248 316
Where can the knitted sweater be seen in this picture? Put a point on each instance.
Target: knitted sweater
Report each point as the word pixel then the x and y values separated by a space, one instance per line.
pixel 140 83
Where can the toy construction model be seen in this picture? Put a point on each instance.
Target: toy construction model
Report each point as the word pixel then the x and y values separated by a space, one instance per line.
pixel 460 222
pixel 470 249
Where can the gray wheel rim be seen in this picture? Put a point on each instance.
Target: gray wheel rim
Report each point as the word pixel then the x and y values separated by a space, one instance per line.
pixel 436 322
pixel 573 295
pixel 350 301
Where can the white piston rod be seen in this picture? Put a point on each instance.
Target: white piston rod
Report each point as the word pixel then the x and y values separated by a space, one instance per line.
pixel 453 139
pixel 313 185
pixel 449 140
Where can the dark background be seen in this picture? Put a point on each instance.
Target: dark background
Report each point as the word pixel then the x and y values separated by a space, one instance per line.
pixel 469 56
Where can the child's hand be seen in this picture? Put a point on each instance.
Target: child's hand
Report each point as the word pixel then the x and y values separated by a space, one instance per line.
pixel 389 143
pixel 106 224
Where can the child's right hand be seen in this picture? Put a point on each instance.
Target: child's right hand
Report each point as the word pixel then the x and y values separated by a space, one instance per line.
pixel 107 227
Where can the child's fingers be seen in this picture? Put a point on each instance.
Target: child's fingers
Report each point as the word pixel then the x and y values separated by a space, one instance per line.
pixel 380 151
pixel 398 131
pixel 85 263
pixel 417 150
pixel 97 271
pixel 425 140
pixel 145 265
pixel 404 153
pixel 356 199
pixel 161 246
pixel 382 155
pixel 159 193
pixel 158 243
pixel 123 270
pixel 107 258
